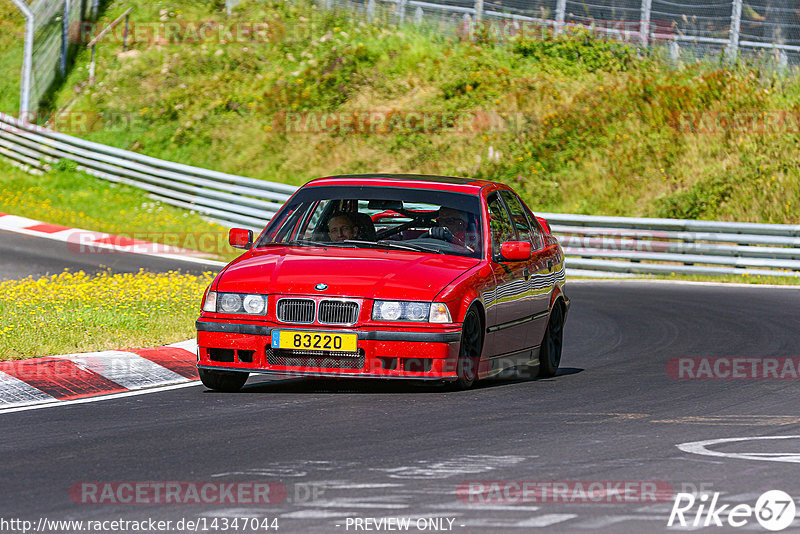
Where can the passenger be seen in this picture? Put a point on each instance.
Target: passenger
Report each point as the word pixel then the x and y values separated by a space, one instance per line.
pixel 341 226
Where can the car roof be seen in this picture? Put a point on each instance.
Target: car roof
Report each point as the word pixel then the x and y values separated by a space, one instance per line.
pixel 426 181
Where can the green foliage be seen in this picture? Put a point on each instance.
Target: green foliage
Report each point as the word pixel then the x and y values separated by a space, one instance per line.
pixel 12 32
pixel 65 165
pixel 700 200
pixel 578 49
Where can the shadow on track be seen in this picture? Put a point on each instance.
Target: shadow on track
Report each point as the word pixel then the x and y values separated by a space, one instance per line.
pixel 373 386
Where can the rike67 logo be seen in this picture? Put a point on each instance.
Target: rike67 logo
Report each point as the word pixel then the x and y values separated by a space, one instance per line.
pixel 774 510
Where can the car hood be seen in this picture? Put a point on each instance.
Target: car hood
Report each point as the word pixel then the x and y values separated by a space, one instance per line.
pixel 361 273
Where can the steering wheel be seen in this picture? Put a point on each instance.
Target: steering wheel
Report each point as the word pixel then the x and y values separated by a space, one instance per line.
pixel 443 233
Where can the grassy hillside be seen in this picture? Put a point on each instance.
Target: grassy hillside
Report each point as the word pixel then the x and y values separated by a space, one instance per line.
pixel 587 126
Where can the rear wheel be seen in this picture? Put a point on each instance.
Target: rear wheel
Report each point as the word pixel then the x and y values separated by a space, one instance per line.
pixel 470 353
pixel 229 381
pixel 550 350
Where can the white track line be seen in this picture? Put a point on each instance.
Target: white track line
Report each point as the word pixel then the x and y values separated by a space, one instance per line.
pixel 87 400
pixel 684 282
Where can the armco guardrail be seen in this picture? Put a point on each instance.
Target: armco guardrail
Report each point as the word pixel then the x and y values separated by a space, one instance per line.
pixel 665 246
pixel 593 244
pixel 226 198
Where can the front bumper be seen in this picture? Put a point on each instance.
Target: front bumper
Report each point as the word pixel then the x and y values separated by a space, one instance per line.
pixel 415 353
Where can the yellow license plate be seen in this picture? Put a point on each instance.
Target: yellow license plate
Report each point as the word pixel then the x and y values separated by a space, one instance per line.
pixel 283 339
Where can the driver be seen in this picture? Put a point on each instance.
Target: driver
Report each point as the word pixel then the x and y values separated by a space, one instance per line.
pixel 341 226
pixel 452 226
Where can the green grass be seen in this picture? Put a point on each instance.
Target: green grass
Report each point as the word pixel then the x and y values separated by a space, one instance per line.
pixel 12 33
pixel 593 126
pixel 72 198
pixel 76 312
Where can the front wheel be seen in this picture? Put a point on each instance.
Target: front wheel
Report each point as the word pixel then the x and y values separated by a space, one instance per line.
pixel 550 350
pixel 229 381
pixel 470 354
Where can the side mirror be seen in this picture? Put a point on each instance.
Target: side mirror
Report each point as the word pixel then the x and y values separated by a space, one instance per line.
pixel 240 238
pixel 545 225
pixel 516 250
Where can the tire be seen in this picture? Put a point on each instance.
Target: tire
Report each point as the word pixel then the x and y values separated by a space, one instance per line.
pixel 552 342
pixel 229 381
pixel 470 353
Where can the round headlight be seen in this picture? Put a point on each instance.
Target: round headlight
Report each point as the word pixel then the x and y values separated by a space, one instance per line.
pixel 390 311
pixel 230 303
pixel 254 304
pixel 417 311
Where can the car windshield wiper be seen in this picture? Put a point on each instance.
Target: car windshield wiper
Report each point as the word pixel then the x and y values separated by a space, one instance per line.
pixel 385 243
pixel 408 246
pixel 357 242
pixel 312 243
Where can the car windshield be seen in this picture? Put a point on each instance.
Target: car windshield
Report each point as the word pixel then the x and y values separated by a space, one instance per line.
pixel 392 218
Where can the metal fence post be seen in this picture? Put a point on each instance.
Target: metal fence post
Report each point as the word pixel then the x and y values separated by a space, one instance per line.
pixel 478 11
pixel 125 35
pixel 783 60
pixel 736 21
pixel 674 49
pixel 401 11
pixel 561 10
pixel 93 43
pixel 64 38
pixel 27 60
pixel 370 10
pixel 418 14
pixel 92 66
pixel 644 24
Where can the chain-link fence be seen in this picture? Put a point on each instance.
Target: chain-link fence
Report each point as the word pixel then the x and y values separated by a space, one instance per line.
pixel 51 37
pixel 687 29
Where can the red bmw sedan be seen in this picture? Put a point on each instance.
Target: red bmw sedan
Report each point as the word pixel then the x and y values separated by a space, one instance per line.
pixel 388 276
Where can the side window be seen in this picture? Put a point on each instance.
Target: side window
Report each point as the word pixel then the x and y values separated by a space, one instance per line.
pixel 518 216
pixel 500 223
pixel 290 221
pixel 538 233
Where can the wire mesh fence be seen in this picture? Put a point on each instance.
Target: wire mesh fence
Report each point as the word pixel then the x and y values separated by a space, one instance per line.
pixel 51 37
pixel 690 30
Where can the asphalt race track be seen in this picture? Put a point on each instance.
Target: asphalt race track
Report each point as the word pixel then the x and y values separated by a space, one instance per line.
pixel 364 451
pixel 22 255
